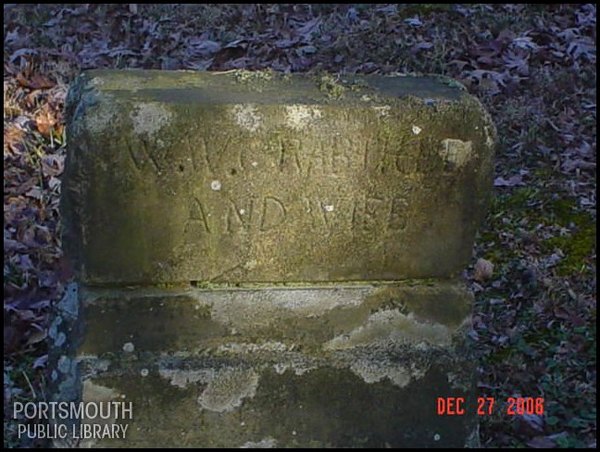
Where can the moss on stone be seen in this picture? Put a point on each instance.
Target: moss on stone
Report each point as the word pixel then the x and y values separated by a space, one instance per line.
pixel 451 82
pixel 331 86
pixel 257 80
pixel 172 285
pixel 205 285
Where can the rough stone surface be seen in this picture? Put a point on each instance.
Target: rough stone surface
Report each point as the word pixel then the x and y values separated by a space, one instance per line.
pixel 271 261
pixel 337 317
pixel 354 366
pixel 221 177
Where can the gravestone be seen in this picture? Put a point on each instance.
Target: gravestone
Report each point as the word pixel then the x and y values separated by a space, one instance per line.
pixel 267 260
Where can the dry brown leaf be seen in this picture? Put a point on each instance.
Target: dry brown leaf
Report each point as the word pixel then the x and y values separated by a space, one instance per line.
pixel 12 137
pixel 36 81
pixel 45 121
pixel 36 336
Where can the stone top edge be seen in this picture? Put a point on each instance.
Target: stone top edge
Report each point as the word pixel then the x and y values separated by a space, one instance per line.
pixel 266 86
pixel 172 288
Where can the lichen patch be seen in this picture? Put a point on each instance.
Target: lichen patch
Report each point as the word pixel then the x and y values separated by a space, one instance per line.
pixel 227 389
pixel 181 378
pixel 60 340
pixel 489 137
pixel 372 371
pixel 149 118
pixel 382 111
pixel 265 443
pixel 457 152
pixel 298 117
pixel 391 325
pixel 97 393
pixel 99 118
pixel 246 310
pixel 97 81
pixel 247 117
pixel 129 347
pixel 270 346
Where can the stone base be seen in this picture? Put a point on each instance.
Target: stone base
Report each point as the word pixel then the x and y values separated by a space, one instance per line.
pixel 329 366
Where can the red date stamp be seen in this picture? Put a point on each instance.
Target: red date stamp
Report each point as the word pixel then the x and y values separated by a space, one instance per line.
pixel 486 406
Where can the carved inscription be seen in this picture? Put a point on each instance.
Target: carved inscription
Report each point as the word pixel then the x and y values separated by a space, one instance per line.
pixel 273 213
pixel 141 154
pixel 398 217
pixel 237 217
pixel 291 163
pixel 305 156
pixel 197 223
pixel 268 213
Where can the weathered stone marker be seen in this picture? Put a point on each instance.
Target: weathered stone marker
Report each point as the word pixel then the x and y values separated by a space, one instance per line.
pixel 269 260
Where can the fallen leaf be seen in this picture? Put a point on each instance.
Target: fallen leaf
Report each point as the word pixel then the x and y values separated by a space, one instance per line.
pixel 35 192
pixel 203 48
pixel 307 29
pixel 413 21
pixel 36 81
pixel 513 181
pixel 11 339
pixel 534 422
pixel 36 336
pixel 40 362
pixel 541 442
